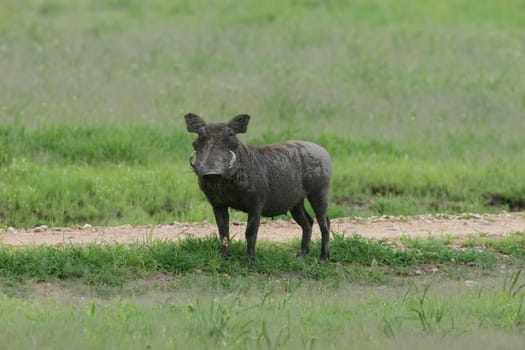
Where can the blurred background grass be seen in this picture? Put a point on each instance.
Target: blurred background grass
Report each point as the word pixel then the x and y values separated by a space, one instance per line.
pixel 421 104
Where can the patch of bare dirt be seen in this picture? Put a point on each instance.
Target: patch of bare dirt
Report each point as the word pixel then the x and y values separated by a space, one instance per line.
pixel 385 227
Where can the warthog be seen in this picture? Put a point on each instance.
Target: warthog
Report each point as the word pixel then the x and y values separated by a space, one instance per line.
pixel 260 181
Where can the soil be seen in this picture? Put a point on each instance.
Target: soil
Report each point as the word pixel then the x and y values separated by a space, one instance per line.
pixel 384 227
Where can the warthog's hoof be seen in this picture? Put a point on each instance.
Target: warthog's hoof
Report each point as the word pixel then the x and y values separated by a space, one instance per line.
pixel 302 254
pixel 325 257
pixel 225 252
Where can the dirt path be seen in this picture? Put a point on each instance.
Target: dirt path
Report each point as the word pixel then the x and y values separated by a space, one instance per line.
pixel 376 227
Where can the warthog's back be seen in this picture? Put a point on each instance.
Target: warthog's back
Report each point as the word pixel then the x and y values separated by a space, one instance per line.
pixel 294 170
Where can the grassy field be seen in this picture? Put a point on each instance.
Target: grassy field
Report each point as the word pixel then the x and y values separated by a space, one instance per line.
pixel 420 104
pixel 163 295
pixel 273 314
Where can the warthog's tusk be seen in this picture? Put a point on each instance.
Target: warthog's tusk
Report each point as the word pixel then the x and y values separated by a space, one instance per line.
pixel 233 160
pixel 192 161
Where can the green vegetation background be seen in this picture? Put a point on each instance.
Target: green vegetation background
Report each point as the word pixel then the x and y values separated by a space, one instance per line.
pixel 420 103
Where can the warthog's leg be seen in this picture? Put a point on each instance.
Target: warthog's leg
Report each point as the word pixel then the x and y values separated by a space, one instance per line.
pixel 223 220
pixel 319 202
pixel 304 220
pixel 254 218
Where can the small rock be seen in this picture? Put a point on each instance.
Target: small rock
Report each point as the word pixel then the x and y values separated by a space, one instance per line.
pixel 87 226
pixel 471 284
pixel 41 228
pixel 11 229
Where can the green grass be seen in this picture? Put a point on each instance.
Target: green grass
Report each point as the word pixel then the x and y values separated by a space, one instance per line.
pixel 164 295
pixel 280 315
pixel 354 259
pixel 420 104
pixel 63 175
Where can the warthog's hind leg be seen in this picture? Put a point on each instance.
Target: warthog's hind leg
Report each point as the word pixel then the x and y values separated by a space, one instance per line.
pixel 319 204
pixel 304 220
pixel 254 218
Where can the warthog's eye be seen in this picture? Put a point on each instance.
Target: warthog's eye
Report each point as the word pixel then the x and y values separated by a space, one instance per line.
pixel 230 140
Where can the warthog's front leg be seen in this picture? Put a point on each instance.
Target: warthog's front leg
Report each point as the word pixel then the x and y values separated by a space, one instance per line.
pixel 254 218
pixel 223 220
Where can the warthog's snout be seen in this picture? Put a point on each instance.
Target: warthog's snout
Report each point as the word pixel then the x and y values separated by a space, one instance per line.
pixel 211 176
pixel 211 167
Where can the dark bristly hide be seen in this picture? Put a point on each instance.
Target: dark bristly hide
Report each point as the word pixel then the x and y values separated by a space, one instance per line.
pixel 260 181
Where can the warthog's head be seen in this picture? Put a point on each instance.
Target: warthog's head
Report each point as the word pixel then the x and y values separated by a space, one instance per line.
pixel 215 147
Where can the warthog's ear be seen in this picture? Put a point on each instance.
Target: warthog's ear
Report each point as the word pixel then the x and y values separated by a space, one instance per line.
pixel 194 122
pixel 239 124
